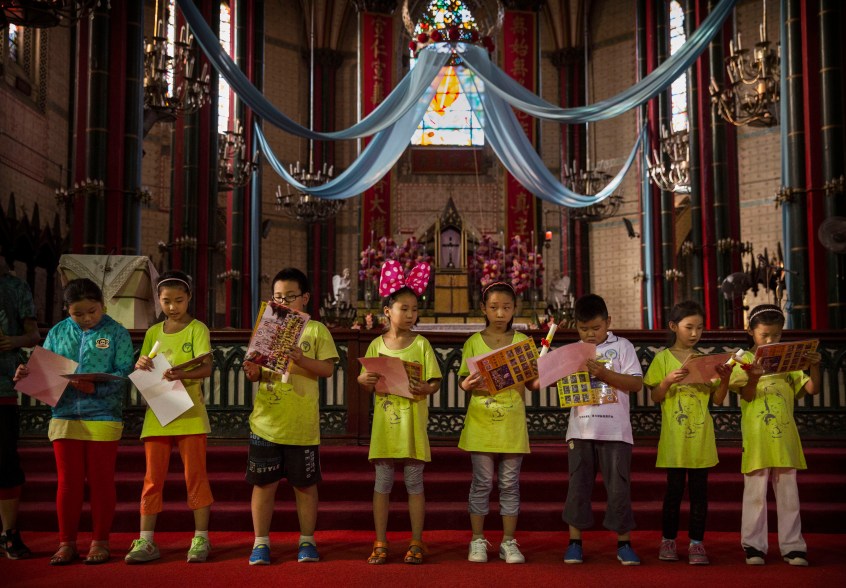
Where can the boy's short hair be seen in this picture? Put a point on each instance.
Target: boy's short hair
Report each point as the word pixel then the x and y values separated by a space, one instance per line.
pixel 590 306
pixel 292 274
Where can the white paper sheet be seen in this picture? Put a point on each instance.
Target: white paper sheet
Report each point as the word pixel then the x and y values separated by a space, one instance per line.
pixel 166 399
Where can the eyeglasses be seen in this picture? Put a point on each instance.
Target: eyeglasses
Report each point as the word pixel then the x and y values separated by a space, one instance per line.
pixel 286 299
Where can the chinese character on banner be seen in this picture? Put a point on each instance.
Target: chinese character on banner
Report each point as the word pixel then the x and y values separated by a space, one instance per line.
pixel 520 62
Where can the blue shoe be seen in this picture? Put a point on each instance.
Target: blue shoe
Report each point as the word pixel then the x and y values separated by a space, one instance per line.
pixel 307 552
pixel 627 556
pixel 573 554
pixel 260 555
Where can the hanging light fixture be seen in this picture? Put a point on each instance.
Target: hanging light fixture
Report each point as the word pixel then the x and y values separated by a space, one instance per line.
pixel 676 147
pixel 589 181
pixel 42 14
pixel 233 168
pixel 298 205
pixel 751 95
pixel 173 83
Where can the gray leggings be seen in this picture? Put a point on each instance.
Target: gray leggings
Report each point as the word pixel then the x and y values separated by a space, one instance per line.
pixel 412 473
pixel 508 476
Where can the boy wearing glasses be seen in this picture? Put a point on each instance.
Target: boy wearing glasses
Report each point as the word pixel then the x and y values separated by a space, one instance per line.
pixel 285 425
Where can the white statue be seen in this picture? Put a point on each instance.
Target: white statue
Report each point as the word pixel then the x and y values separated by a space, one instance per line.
pixel 341 287
pixel 559 290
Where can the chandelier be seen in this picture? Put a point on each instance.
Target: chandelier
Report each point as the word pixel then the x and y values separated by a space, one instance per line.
pixel 752 93
pixel 589 182
pixel 42 14
pixel 305 207
pixel 173 83
pixel 233 168
pixel 676 178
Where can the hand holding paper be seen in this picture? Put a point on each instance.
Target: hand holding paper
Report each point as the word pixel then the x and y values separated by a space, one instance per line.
pixel 564 361
pixel 166 399
pixel 394 376
pixel 41 378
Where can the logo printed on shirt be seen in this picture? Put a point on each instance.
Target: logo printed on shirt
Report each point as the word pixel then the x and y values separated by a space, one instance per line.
pixel 102 343
pixel 305 346
pixel 611 354
pixel 188 347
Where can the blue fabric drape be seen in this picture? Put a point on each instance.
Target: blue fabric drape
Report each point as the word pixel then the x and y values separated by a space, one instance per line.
pixel 375 161
pixel 402 99
pixel 501 84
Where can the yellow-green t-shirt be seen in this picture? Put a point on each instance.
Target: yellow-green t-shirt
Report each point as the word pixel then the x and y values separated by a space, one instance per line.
pixel 687 429
pixel 495 423
pixel 770 436
pixel 289 413
pixel 178 348
pixel 400 425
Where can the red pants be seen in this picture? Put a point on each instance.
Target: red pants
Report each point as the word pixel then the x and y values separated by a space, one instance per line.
pixel 77 461
pixel 192 449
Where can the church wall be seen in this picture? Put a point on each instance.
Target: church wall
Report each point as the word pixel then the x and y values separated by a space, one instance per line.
pixel 614 258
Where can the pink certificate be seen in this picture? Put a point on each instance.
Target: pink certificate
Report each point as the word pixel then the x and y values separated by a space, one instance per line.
pixel 564 361
pixel 45 381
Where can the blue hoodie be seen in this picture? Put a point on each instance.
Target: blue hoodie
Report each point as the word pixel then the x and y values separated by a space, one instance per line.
pixel 103 348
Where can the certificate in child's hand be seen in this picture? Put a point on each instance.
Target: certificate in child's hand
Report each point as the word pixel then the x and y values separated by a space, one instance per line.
pixel 701 369
pixel 395 374
pixel 45 382
pixel 168 400
pixel 563 361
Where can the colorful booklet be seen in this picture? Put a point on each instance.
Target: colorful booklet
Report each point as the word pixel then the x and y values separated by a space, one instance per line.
pixel 581 388
pixel 193 363
pixel 277 330
pixel 563 361
pixel 703 368
pixel 779 358
pixel 398 376
pixel 508 367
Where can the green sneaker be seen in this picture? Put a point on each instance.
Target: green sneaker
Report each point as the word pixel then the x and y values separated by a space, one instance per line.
pixel 200 548
pixel 142 551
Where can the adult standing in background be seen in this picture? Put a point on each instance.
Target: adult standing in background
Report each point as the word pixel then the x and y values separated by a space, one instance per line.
pixel 18 328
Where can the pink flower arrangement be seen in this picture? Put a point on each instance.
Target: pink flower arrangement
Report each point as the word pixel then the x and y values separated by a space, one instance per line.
pixel 517 265
pixel 408 255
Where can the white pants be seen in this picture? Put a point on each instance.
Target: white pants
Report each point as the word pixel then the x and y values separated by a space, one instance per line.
pixel 753 529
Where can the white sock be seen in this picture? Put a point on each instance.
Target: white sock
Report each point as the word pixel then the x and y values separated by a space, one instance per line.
pixel 148 535
pixel 308 539
pixel 261 541
pixel 203 534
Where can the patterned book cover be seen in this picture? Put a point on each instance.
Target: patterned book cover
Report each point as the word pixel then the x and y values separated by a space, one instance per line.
pixel 581 389
pixel 779 358
pixel 277 330
pixel 510 366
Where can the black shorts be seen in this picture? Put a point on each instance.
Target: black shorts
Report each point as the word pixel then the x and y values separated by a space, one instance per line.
pixel 11 474
pixel 270 462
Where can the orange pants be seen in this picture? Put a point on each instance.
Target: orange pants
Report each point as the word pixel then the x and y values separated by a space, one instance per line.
pixel 192 449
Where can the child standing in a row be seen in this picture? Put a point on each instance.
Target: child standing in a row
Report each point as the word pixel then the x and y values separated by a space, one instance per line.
pixel 181 338
pixel 87 421
pixel 687 447
pixel 772 449
pixel 399 433
pixel 495 428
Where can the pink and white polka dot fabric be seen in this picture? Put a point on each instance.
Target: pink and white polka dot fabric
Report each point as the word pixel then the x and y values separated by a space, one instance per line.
pixel 392 278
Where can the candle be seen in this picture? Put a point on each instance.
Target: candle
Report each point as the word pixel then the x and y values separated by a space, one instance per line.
pixel 548 236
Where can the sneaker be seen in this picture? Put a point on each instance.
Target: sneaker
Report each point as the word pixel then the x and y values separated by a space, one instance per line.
pixel 142 551
pixel 627 556
pixel 696 555
pixel 478 550
pixel 667 550
pixel 796 558
pixel 199 551
pixel 510 552
pixel 754 557
pixel 307 553
pixel 13 546
pixel 260 555
pixel 573 554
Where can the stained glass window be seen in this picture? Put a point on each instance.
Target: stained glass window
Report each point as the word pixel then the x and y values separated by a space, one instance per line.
pixel 223 95
pixel 14 35
pixel 451 119
pixel 678 90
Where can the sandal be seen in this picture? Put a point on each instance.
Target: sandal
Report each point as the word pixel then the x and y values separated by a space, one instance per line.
pixel 380 553
pixel 416 550
pixel 98 553
pixel 66 554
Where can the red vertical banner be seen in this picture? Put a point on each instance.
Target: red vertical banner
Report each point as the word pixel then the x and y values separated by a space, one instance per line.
pixel 377 66
pixel 520 61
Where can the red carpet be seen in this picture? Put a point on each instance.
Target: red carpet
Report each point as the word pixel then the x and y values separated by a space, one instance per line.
pixel 344 553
